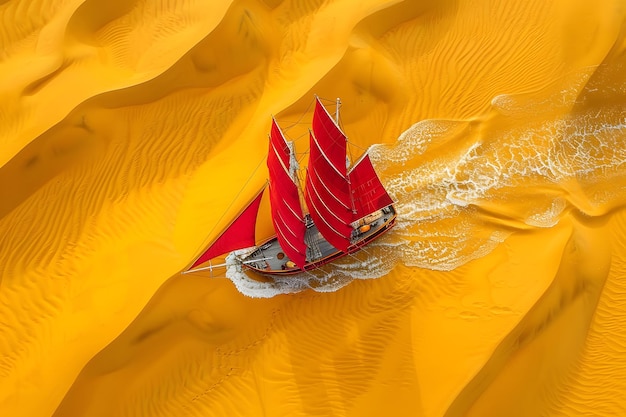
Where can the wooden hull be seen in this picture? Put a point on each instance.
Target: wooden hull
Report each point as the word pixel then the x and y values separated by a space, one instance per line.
pixel 269 259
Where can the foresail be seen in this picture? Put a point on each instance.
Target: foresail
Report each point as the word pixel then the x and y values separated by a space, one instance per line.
pixel 287 214
pixel 239 234
pixel 368 192
pixel 327 189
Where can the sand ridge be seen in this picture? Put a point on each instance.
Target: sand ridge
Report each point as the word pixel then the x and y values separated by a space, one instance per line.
pixel 130 134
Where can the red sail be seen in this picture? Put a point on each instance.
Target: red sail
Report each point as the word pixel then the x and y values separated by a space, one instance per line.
pixel 368 193
pixel 330 137
pixel 278 140
pixel 327 188
pixel 285 200
pixel 239 234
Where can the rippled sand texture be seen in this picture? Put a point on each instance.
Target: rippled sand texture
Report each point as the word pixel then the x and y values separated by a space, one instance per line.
pixel 132 131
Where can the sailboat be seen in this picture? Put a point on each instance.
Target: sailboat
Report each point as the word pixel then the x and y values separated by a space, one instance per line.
pixel 340 210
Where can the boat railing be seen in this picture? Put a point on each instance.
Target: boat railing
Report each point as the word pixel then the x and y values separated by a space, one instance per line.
pixel 313 246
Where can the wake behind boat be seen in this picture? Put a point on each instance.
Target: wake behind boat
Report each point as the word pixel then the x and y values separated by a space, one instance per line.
pixel 347 208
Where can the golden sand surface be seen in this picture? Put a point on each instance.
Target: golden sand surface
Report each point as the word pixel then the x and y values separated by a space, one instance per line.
pixel 132 131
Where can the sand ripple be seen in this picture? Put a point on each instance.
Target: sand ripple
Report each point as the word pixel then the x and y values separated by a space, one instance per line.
pixel 130 134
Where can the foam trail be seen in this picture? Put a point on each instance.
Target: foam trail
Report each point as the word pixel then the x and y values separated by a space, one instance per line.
pixel 437 197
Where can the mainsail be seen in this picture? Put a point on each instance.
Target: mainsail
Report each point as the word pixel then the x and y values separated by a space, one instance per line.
pixel 286 210
pixel 239 234
pixel 327 189
pixel 368 193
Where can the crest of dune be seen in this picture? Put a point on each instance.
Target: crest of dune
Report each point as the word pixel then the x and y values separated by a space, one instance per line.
pixel 132 132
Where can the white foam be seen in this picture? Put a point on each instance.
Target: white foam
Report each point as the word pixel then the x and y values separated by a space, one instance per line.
pixel 549 217
pixel 373 262
pixel 437 196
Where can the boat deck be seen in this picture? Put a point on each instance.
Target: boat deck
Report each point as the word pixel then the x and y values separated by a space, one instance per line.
pixel 270 258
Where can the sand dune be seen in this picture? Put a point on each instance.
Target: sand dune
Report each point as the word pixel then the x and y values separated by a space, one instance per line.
pixel 132 132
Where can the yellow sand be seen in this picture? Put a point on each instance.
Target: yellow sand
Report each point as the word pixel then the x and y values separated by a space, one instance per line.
pixel 132 131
